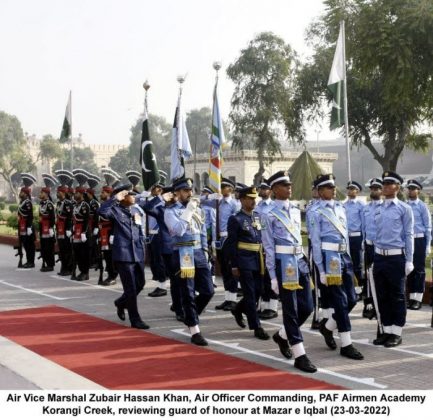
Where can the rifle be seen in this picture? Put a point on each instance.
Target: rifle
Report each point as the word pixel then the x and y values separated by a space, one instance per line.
pixel 370 278
pixel 100 262
pixel 19 253
pixel 74 261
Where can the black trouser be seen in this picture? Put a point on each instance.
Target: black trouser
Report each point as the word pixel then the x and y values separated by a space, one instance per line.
pixel 252 286
pixel 65 254
pixel 230 283
pixel 47 251
pixel 132 276
pixel 156 261
pixel 28 243
pixel 81 255
pixel 355 243
pixel 416 279
pixel 109 266
pixel 175 292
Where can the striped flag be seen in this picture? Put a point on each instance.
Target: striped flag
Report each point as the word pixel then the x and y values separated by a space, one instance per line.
pixel 180 146
pixel 217 140
pixel 149 167
pixel 67 122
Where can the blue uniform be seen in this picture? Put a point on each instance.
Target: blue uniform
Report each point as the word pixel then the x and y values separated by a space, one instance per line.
pixel 188 235
pixel 244 248
pixel 327 238
pixel 282 242
pixel 369 233
pixel 394 235
pixel 355 225
pixel 227 207
pixel 128 251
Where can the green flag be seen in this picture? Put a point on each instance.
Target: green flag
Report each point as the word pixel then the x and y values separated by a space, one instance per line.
pixel 67 122
pixel 336 84
pixel 149 167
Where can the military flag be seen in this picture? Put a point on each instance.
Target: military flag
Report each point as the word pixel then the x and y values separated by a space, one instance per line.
pixel 67 121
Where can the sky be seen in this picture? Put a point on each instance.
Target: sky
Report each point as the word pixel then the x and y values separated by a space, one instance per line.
pixel 103 51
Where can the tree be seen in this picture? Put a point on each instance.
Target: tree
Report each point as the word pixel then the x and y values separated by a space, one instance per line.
pixel 50 149
pixel 83 159
pixel 13 157
pixel 263 110
pixel 389 50
pixel 121 162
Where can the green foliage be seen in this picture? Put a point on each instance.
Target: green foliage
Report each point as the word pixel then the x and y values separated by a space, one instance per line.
pixel 50 149
pixel 2 205
pixel 2 199
pixel 13 208
pixel 263 110
pixel 389 50
pixel 12 221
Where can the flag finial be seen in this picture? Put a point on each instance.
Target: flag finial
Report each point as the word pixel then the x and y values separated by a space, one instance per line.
pixel 146 85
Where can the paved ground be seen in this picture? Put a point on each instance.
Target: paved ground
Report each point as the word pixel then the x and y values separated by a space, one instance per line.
pixel 405 367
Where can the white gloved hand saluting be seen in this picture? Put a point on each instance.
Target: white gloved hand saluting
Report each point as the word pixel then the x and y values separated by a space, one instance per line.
pixel 408 268
pixel 323 279
pixel 274 286
pixel 215 196
pixel 121 195
pixel 29 231
pixel 51 232
pixel 83 237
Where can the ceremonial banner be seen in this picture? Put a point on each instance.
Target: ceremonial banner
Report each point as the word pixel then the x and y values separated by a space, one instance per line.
pixel 149 167
pixel 67 122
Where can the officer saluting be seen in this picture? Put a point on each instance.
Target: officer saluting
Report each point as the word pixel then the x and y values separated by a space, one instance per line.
pixel 64 208
pixel 47 220
pixel 80 227
pixel 393 256
pixel 185 222
pixel 422 239
pixel 26 234
pixel 244 250
pixel 288 269
pixel 329 239
pixel 128 250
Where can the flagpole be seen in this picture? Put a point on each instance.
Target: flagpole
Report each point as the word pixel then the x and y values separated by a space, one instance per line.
pixel 72 137
pixel 180 80
pixel 146 87
pixel 346 116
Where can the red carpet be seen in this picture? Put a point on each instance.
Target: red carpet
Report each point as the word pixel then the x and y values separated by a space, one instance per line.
pixel 117 357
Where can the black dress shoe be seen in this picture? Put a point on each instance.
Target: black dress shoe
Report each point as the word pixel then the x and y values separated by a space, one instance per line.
pixel 29 265
pixel 283 345
pixel 381 339
pixel 369 312
pixel 120 311
pixel 238 317
pixel 351 352
pixel 261 334
pixel 83 276
pixel 268 314
pixel 65 273
pixel 158 292
pixel 198 340
pixel 230 306
pixel 328 336
pixel 416 305
pixel 393 340
pixel 222 306
pixel 139 325
pixel 108 282
pixel 304 363
pixel 410 303
pixel 45 269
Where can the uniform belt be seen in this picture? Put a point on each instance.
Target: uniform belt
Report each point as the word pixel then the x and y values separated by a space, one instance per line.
pixel 418 235
pixel 255 248
pixel 153 231
pixel 287 249
pixel 223 234
pixel 388 252
pixel 331 246
pixel 354 234
pixel 187 243
pixel 368 242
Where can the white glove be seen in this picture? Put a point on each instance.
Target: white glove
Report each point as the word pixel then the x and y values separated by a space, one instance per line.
pixel 121 195
pixel 274 286
pixel 29 231
pixel 111 239
pixel 51 232
pixel 215 196
pixel 83 237
pixel 144 194
pixel 189 211
pixel 323 279
pixel 428 250
pixel 68 233
pixel 408 268
pixel 95 231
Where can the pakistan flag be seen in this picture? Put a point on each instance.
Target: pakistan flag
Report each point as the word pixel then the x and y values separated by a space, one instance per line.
pixel 336 84
pixel 149 168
